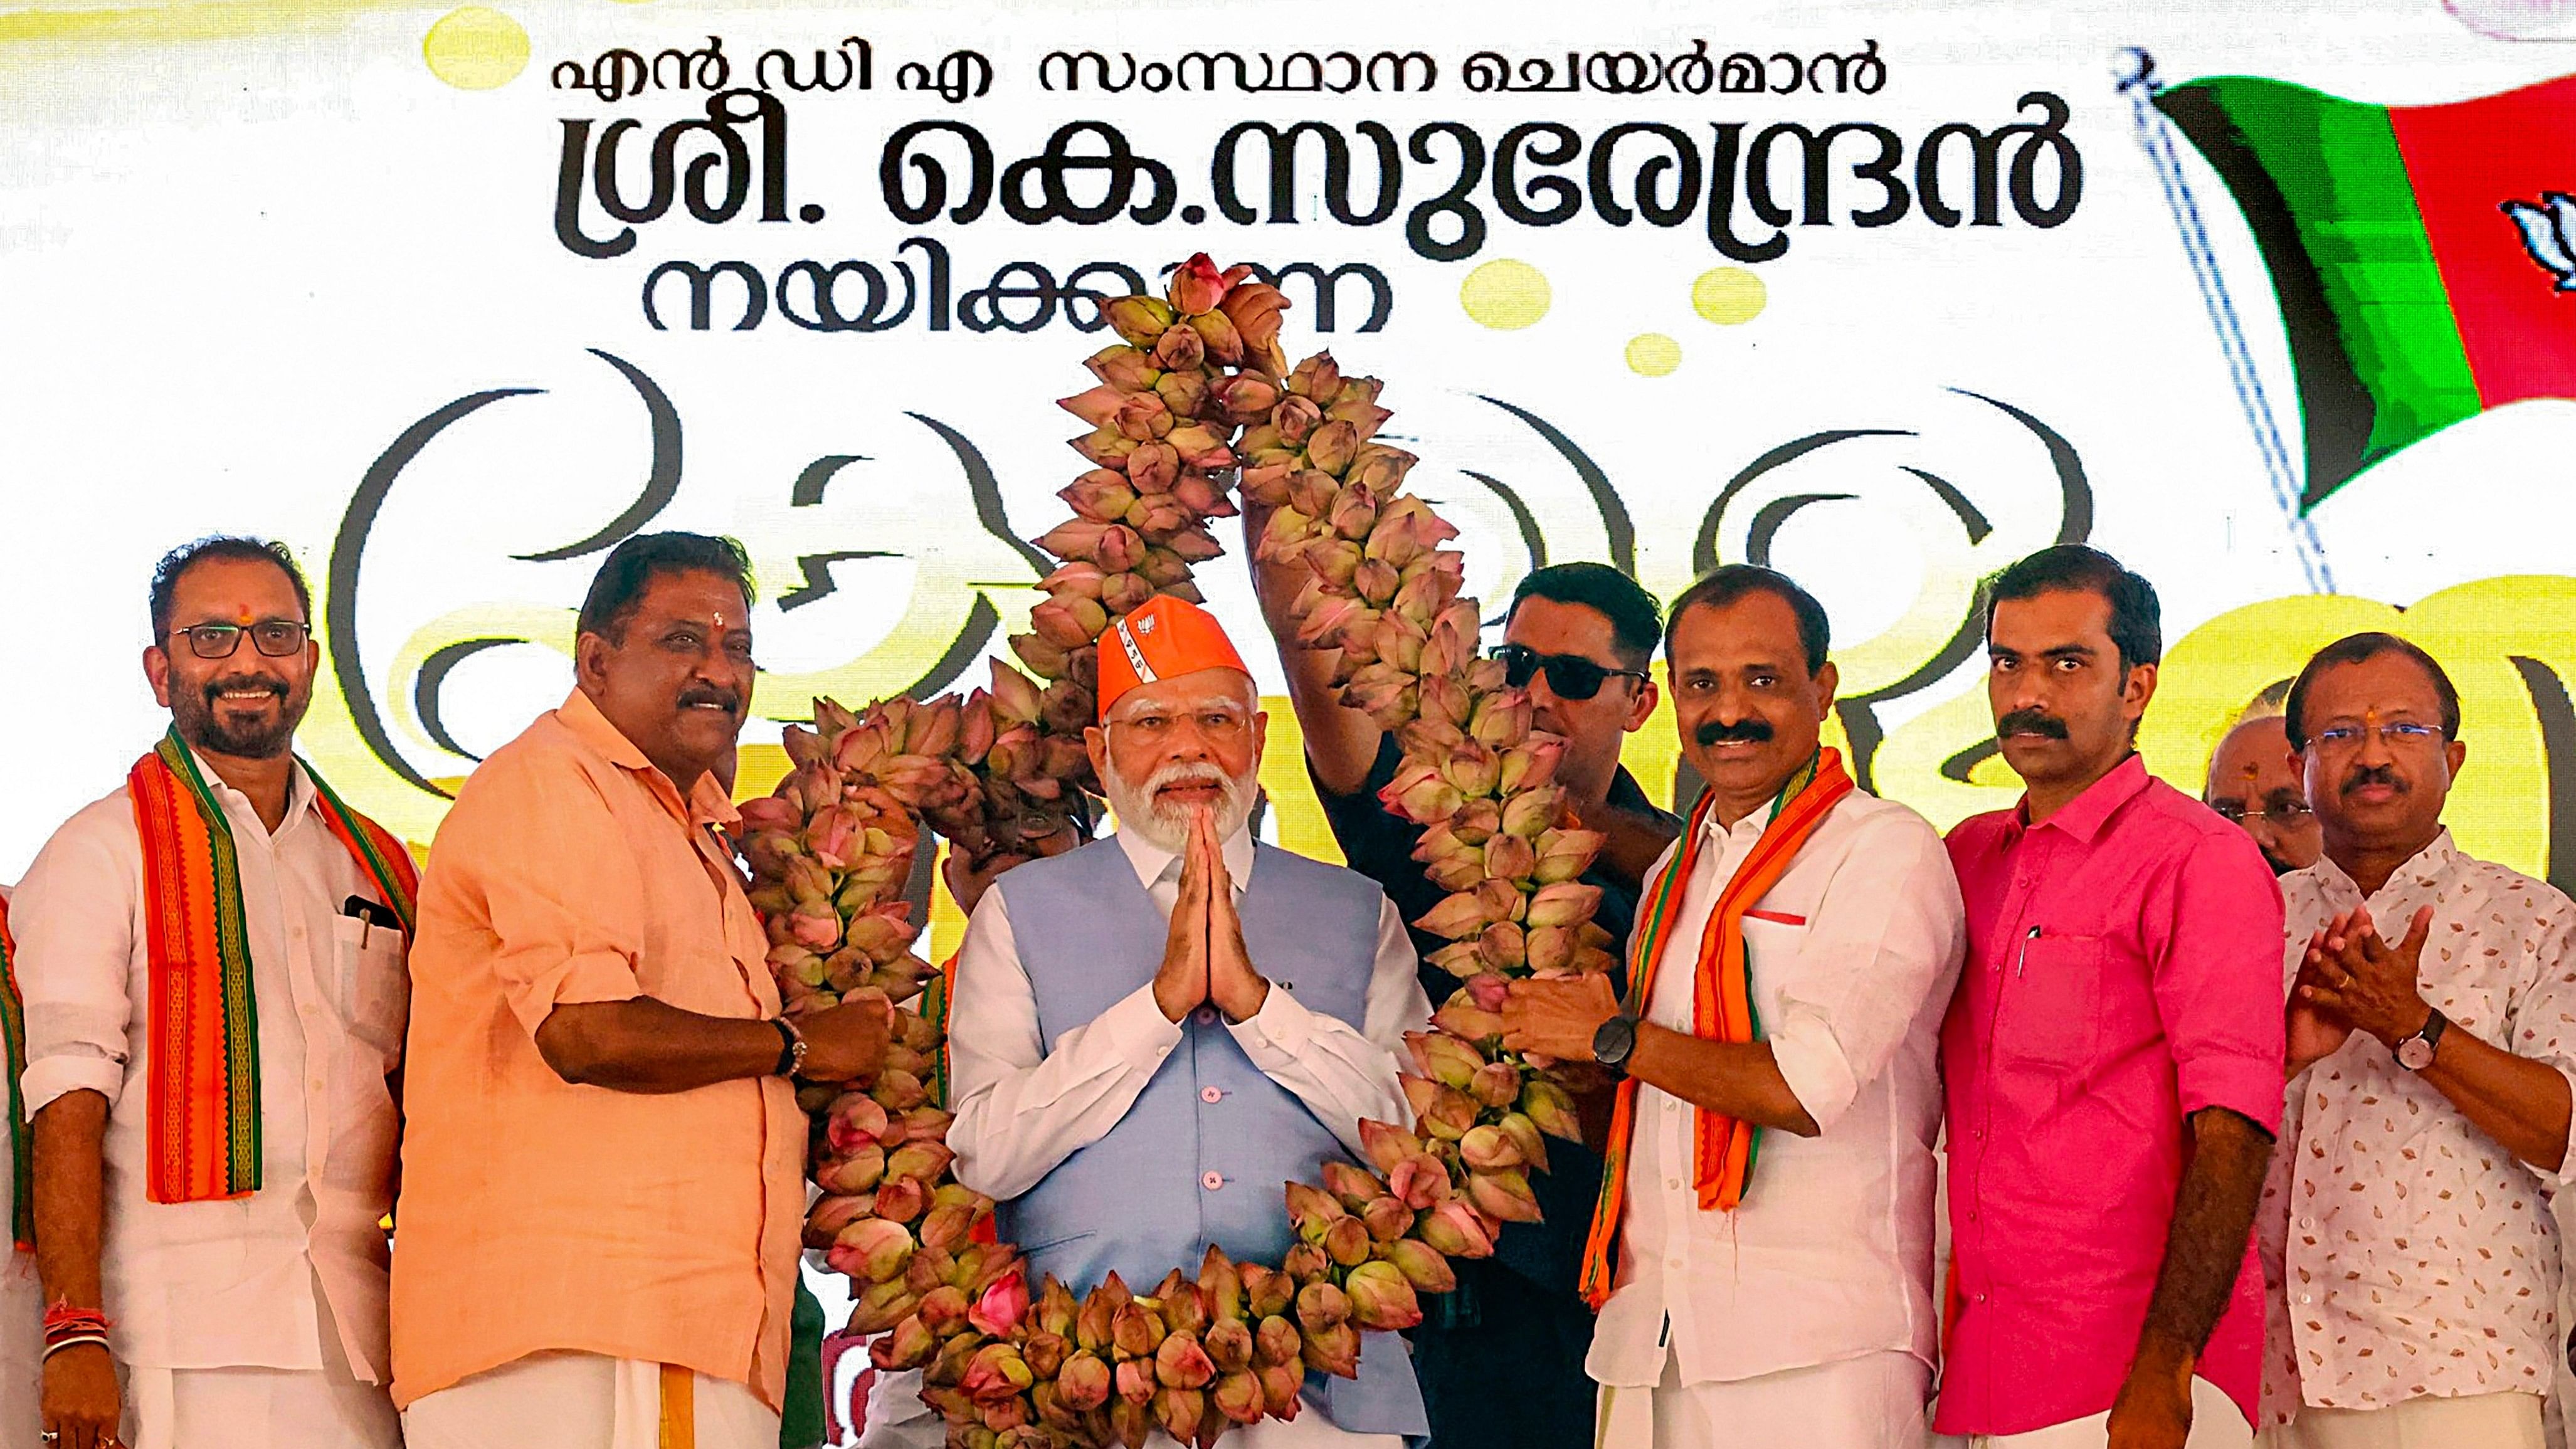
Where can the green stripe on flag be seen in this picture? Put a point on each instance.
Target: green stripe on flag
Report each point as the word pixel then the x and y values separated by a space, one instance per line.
pixel 2372 333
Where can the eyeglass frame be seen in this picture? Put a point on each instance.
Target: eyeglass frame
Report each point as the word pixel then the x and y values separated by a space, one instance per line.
pixel 239 632
pixel 2412 732
pixel 1547 664
pixel 2276 818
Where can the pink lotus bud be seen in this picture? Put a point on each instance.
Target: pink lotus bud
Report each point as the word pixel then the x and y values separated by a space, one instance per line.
pixel 872 1250
pixel 1473 770
pixel 1444 1058
pixel 944 1309
pixel 1179 1363
pixel 1461 869
pixel 1375 580
pixel 1229 1344
pixel 947 1227
pixel 1265 1290
pixel 1069 623
pixel 1163 568
pixel 1142 417
pixel 1305 1263
pixel 996 1373
pixel 1387 1145
pixel 1224 344
pixel 920 1161
pixel 1254 308
pixel 1046 660
pixel 1334 1350
pixel 816 928
pixel 1420 794
pixel 1000 1308
pixel 856 1173
pixel 1504 946
pixel 1496 1084
pixel 1184 394
pixel 1100 496
pixel 856 1120
pixel 1178 1412
pixel 1107 447
pixel 1422 1265
pixel 1194 545
pixel 825 1219
pixel 1246 396
pixel 1316 377
pixel 1096 407
pixel 1153 467
pixel 1157 516
pixel 1486 1149
pixel 1082 1384
pixel 1129 369
pixel 1446 1113
pixel 1458 915
pixel 1346 1242
pixel 1387 1218
pixel 1238 1396
pixel 1196 286
pixel 1564 854
pixel 1503 1194
pixel 1139 320
pixel 1308 1204
pixel 1295 419
pixel 1510 858
pixel 1456 1229
pixel 1332 446
pixel 1525 1136
pixel 1445 700
pixel 1136 1330
pixel 1502 720
pixel 1135 1380
pixel 1550 950
pixel 900 1199
pixel 1531 812
pixel 1567 903
pixel 1320 1305
pixel 1356 1187
pixel 1385 694
pixel 1180 349
pixel 1420 1181
pixel 908 1347
pixel 1381 1298
pixel 1276 1341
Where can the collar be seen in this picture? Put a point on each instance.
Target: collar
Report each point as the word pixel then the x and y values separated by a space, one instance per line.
pixel 1151 860
pixel 2084 816
pixel 707 803
pixel 300 796
pixel 2425 867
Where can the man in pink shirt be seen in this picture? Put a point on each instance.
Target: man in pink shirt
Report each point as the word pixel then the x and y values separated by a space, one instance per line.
pixel 2113 1057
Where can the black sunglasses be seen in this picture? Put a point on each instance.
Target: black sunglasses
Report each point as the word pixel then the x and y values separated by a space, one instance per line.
pixel 1569 676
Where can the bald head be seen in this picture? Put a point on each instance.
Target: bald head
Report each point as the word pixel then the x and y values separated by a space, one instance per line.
pixel 2254 782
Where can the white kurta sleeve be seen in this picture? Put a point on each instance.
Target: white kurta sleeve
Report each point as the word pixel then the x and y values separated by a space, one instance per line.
pixel 72 920
pixel 1021 1109
pixel 1345 1076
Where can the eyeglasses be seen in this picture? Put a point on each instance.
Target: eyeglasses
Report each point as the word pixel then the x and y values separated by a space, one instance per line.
pixel 1569 676
pixel 2288 814
pixel 1219 727
pixel 275 638
pixel 2401 732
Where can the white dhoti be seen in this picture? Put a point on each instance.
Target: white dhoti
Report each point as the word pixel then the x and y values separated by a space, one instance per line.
pixel 587 1401
pixel 2216 1423
pixel 1871 1402
pixel 2474 1421
pixel 259 1408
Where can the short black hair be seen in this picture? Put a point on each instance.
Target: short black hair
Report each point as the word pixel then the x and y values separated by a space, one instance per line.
pixel 2137 620
pixel 216 548
pixel 1635 619
pixel 2352 649
pixel 618 587
pixel 1727 583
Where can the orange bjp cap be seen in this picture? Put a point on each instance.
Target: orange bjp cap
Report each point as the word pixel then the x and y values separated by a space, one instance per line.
pixel 1164 639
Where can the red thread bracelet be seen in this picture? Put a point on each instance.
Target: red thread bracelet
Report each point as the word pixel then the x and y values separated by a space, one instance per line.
pixel 64 1322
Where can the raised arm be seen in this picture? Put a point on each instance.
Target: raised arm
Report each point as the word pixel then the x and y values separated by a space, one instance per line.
pixel 1341 742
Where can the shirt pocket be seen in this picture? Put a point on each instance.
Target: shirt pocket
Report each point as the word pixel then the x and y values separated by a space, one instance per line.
pixel 374 985
pixel 2052 1001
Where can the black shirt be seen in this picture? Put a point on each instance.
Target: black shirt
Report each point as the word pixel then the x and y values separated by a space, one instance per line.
pixel 1379 845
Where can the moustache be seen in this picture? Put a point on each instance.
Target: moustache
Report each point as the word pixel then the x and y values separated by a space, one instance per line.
pixel 217 689
pixel 2366 775
pixel 698 694
pixel 1742 732
pixel 2030 722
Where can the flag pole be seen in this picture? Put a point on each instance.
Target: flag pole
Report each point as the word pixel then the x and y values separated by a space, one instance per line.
pixel 2136 73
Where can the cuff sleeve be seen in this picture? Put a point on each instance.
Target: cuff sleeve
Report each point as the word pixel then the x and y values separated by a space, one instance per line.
pixel 1278 1032
pixel 2249 1086
pixel 49 1078
pixel 1813 1064
pixel 593 976
pixel 1137 1031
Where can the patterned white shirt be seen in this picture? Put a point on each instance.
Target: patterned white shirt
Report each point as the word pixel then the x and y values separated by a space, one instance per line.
pixel 2405 1253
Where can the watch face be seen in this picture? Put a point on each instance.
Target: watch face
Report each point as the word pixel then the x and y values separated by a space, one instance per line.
pixel 2414 1054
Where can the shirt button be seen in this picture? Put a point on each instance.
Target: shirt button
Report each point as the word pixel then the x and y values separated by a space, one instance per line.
pixel 1211 1180
pixel 2304 1298
pixel 1204 1016
pixel 1210 1094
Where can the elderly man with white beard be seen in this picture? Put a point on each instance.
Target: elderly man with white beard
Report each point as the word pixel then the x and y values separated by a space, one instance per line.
pixel 1150 1034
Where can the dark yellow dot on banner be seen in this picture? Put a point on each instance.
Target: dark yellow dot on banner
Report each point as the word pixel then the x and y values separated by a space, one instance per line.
pixel 475 49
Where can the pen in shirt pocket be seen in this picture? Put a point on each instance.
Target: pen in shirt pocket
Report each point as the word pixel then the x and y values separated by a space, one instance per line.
pixel 2021 963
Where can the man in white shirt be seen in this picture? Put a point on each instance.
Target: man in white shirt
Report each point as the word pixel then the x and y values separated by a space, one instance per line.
pixel 1765 1247
pixel 212 963
pixel 1152 1033
pixel 2410 1256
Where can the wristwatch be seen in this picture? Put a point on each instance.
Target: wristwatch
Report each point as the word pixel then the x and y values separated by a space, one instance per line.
pixel 2415 1053
pixel 1613 1040
pixel 791 1049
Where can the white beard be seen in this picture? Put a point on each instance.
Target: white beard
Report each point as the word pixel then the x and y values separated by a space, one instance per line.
pixel 1166 827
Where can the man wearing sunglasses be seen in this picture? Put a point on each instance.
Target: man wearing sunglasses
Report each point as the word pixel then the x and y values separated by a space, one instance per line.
pixel 212 960
pixel 2411 1258
pixel 1578 637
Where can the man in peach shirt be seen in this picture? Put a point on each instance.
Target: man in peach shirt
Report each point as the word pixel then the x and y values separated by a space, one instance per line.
pixel 603 1181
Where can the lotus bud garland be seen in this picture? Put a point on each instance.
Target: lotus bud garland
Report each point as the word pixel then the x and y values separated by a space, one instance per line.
pixel 1195 397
